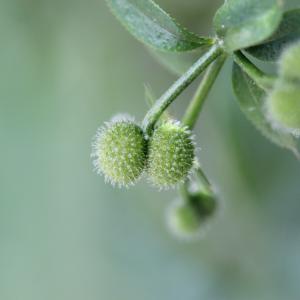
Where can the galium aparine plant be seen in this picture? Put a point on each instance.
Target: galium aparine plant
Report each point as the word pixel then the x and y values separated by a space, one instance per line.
pixel 164 149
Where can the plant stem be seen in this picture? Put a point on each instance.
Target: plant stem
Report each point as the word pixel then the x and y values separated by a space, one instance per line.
pixel 184 192
pixel 179 86
pixel 191 115
pixel 203 180
pixel 262 79
pixel 190 118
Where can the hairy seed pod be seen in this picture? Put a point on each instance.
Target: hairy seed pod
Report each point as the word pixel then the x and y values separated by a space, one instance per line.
pixel 171 154
pixel 183 220
pixel 283 102
pixel 283 107
pixel 289 63
pixel 188 220
pixel 119 150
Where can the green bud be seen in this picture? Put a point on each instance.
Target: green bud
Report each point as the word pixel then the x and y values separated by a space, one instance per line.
pixel 171 154
pixel 119 150
pixel 283 107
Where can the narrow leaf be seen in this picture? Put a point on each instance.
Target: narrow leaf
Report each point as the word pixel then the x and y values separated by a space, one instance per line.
pixel 251 100
pixel 244 23
pixel 287 33
pixel 151 25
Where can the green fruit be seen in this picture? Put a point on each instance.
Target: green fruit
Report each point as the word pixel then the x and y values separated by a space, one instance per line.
pixel 184 220
pixel 204 203
pixel 119 150
pixel 283 107
pixel 283 102
pixel 188 217
pixel 289 64
pixel 171 154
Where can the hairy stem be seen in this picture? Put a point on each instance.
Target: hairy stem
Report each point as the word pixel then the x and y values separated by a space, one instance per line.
pixel 262 79
pixel 191 115
pixel 184 192
pixel 179 86
pixel 203 181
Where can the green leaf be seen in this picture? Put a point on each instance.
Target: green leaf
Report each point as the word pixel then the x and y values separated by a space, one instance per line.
pixel 178 62
pixel 244 23
pixel 151 25
pixel 251 100
pixel 287 33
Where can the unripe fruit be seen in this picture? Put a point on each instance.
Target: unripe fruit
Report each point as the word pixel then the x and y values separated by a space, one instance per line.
pixel 120 151
pixel 188 220
pixel 183 220
pixel 171 154
pixel 289 64
pixel 205 204
pixel 283 102
pixel 283 107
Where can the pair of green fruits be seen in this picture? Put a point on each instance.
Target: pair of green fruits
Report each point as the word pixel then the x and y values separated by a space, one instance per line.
pixel 122 150
pixel 122 153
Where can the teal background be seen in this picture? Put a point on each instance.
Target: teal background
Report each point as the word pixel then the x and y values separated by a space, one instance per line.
pixel 68 66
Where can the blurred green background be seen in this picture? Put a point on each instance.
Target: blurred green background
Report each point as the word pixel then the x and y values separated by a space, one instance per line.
pixel 68 66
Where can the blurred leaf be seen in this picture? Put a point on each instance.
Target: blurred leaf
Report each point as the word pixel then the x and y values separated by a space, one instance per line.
pixel 244 23
pixel 287 33
pixel 178 62
pixel 151 25
pixel 251 100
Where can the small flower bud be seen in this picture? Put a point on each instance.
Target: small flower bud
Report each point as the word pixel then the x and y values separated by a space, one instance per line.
pixel 120 151
pixel 171 154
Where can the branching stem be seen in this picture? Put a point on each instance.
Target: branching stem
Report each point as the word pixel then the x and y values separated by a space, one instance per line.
pixel 179 86
pixel 191 115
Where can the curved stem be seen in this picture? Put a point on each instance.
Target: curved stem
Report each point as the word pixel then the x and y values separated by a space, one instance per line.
pixel 184 192
pixel 191 115
pixel 179 86
pixel 262 79
pixel 203 180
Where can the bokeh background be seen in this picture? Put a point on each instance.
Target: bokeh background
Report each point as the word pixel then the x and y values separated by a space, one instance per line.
pixel 66 67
